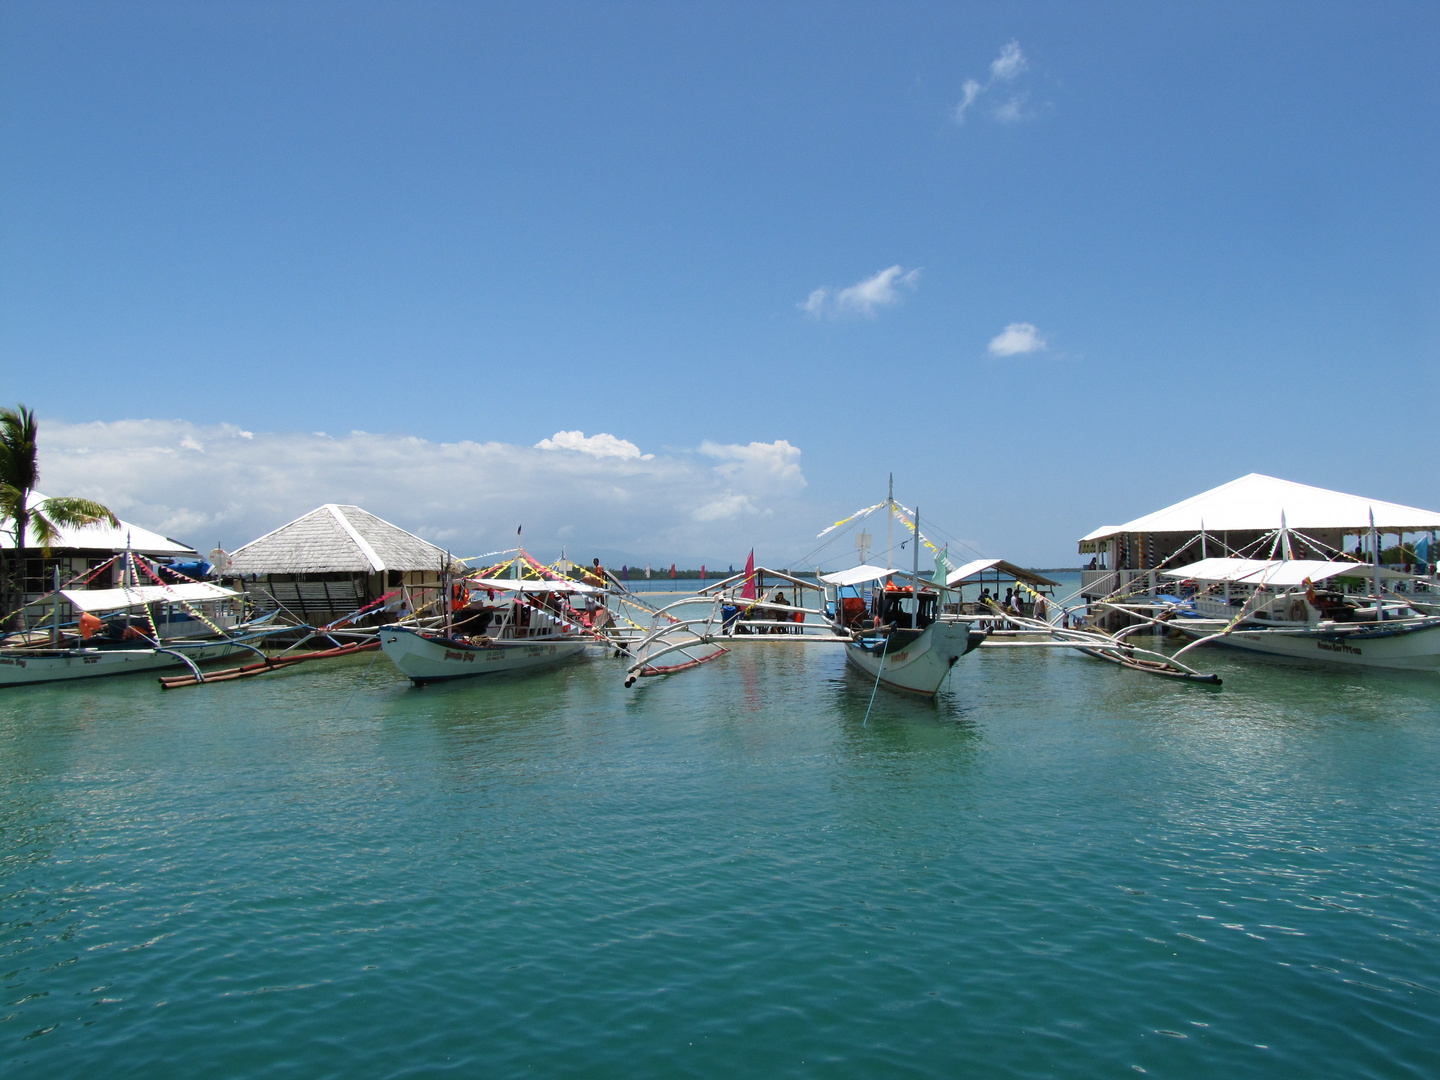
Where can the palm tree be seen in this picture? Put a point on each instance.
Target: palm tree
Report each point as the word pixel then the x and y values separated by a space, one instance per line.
pixel 19 473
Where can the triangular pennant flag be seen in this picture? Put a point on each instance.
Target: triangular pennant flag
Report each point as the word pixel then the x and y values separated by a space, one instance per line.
pixel 748 592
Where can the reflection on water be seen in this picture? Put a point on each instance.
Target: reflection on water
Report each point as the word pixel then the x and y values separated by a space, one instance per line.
pixel 1056 868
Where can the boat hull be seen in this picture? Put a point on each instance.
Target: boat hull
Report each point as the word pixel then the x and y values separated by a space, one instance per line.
pixel 1407 650
pixel 25 667
pixel 918 666
pixel 1413 648
pixel 423 659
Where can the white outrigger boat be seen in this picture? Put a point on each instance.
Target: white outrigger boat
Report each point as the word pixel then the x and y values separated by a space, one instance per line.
pixel 902 642
pixel 497 626
pixel 1280 608
pixel 897 642
pixel 143 628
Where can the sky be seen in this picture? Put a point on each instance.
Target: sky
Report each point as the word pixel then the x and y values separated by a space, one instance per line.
pixel 664 282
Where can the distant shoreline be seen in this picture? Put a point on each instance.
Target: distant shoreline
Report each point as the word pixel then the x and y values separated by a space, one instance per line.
pixel 710 575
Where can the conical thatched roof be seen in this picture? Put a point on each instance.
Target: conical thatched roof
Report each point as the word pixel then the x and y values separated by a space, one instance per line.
pixel 336 539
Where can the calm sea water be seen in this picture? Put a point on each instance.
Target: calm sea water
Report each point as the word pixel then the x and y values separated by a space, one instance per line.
pixel 1058 869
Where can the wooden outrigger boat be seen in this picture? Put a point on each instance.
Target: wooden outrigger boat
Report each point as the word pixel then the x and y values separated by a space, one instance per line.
pixel 133 628
pixel 1281 608
pixel 492 625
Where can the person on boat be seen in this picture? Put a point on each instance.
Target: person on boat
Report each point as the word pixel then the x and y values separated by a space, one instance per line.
pixel 1041 610
pixel 729 615
pixel 779 616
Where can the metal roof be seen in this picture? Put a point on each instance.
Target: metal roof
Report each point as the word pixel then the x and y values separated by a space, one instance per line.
pixel 101 537
pixel 336 539
pixel 1005 569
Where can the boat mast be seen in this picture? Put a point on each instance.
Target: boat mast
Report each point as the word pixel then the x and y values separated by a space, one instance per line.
pixel 890 525
pixel 1375 571
pixel 55 603
pixel 915 572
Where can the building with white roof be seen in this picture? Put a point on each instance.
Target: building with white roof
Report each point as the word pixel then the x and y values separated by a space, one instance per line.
pixel 82 548
pixel 1240 519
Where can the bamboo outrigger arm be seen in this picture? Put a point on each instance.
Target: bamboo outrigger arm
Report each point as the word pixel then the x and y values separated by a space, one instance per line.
pixel 1108 647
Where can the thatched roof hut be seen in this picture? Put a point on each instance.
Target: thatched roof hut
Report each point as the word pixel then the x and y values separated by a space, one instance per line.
pixel 335 560
pixel 337 539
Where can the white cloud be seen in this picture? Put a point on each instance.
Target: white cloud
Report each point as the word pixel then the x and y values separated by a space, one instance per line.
pixel 864 297
pixel 1017 338
pixel 1010 62
pixel 1012 111
pixel 599 445
pixel 604 495
pixel 1005 68
pixel 763 466
pixel 972 90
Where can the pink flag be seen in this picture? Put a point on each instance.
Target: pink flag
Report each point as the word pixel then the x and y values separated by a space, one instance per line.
pixel 748 593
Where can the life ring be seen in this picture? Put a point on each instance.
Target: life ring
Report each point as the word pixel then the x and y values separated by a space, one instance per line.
pixel 1297 612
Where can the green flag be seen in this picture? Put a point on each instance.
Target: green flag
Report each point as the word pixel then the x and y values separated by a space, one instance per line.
pixel 942 566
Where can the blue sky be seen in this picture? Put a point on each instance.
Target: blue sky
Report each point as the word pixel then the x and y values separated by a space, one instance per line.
pixel 763 230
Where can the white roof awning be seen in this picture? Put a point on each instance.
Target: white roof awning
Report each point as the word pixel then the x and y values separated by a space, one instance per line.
pixel 970 569
pixel 1280 573
pixel 858 575
pixel 531 585
pixel 976 567
pixel 1255 502
pixel 115 599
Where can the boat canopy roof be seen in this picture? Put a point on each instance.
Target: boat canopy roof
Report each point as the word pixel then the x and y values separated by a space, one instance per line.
pixel 1253 503
pixel 1277 572
pixel 858 575
pixel 530 585
pixel 976 567
pixel 115 599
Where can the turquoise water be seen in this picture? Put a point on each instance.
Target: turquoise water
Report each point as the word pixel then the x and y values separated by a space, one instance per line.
pixel 1059 869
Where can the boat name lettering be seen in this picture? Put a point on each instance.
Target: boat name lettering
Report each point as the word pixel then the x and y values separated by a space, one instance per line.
pixel 1325 645
pixel 468 657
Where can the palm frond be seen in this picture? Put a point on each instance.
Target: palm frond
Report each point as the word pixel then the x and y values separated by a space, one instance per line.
pixel 77 513
pixel 11 500
pixel 18 459
pixel 43 530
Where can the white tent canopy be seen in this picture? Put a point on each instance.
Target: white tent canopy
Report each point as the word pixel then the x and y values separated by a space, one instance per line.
pixel 1277 573
pixel 115 599
pixel 102 537
pixel 1254 503
pixel 858 575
